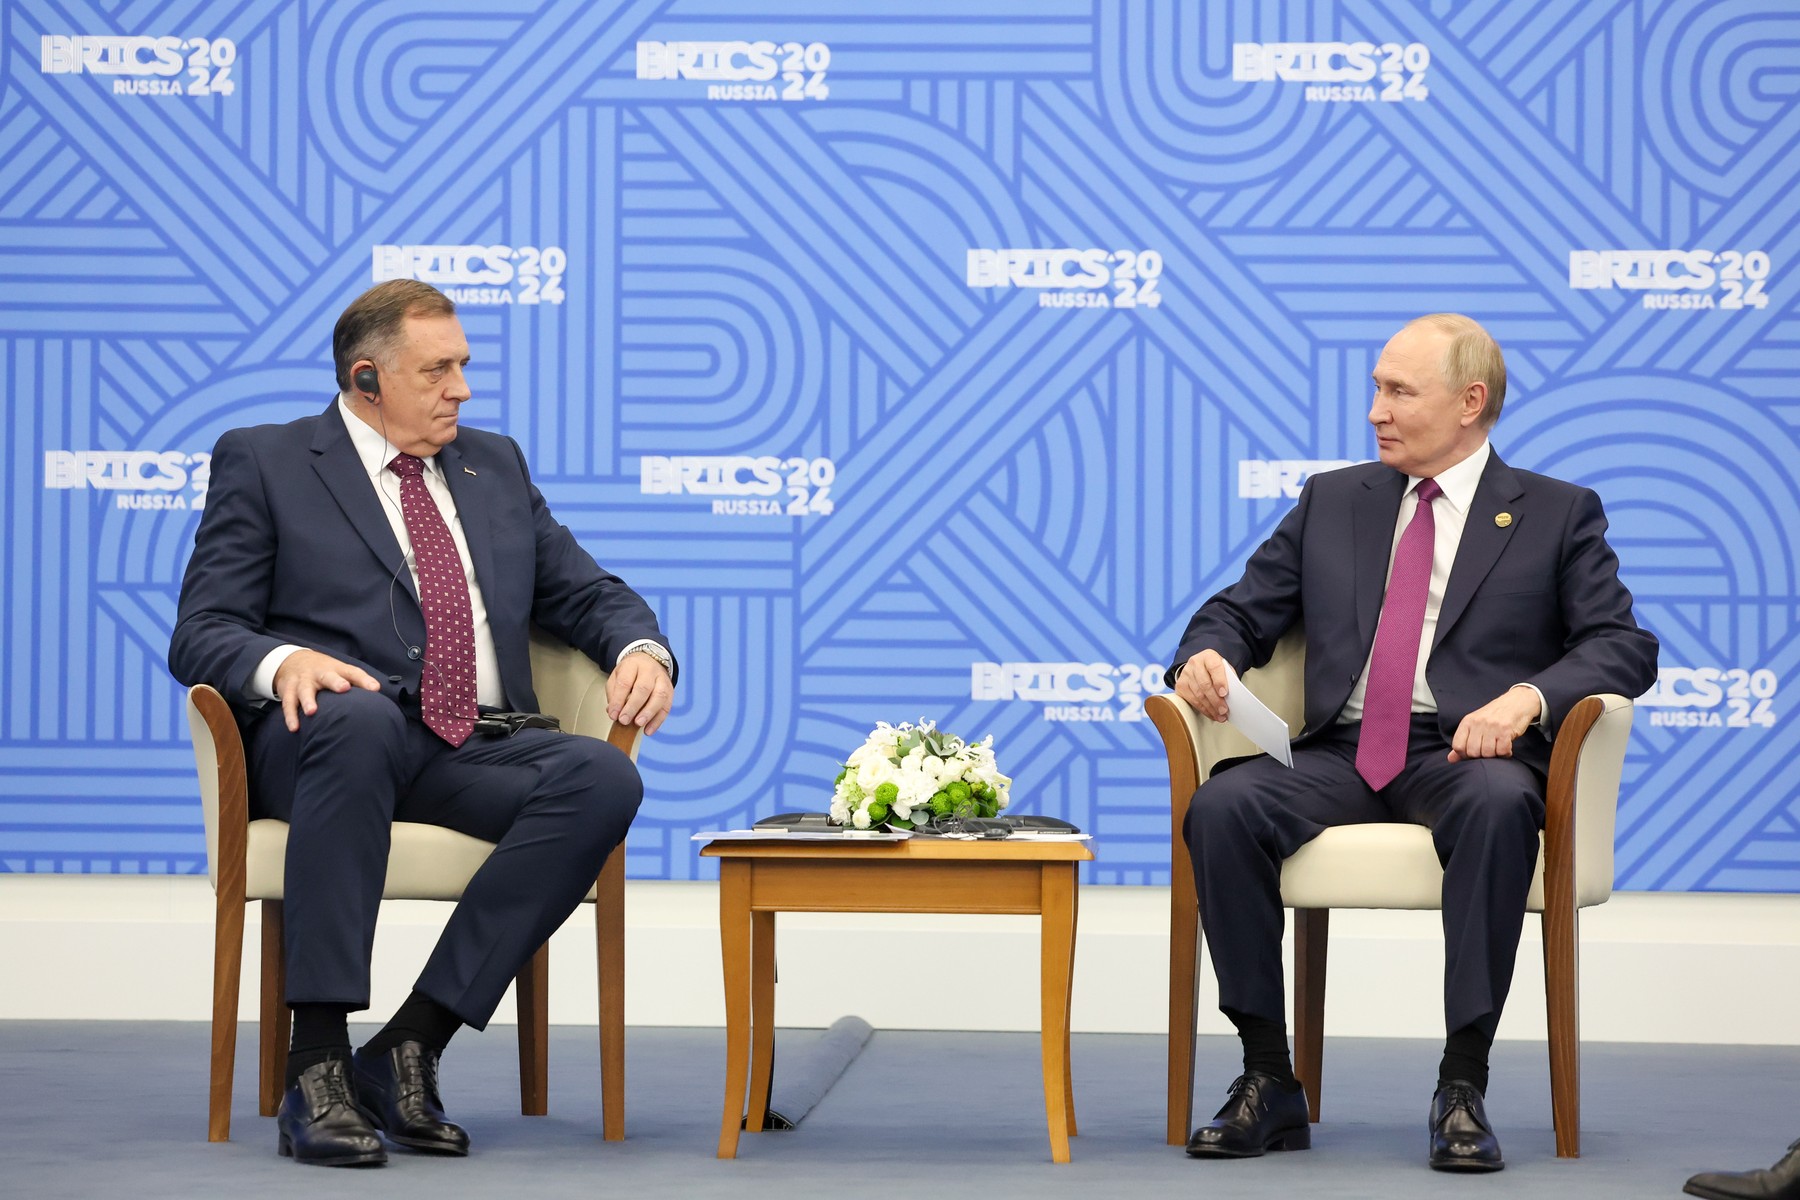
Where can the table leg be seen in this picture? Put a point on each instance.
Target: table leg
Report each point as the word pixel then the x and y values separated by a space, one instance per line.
pixel 1069 1010
pixel 762 1017
pixel 734 946
pixel 1055 971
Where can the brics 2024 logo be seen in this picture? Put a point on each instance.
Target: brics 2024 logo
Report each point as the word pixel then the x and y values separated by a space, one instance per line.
pixel 741 70
pixel 1337 71
pixel 480 275
pixel 1690 698
pixel 142 480
pixel 1072 278
pixel 1684 279
pixel 150 66
pixel 1071 691
pixel 743 485
pixel 1282 478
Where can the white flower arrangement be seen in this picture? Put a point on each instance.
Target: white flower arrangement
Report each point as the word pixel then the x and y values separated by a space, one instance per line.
pixel 904 775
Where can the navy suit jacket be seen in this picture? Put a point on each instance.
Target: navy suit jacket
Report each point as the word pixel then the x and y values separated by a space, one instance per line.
pixel 294 547
pixel 1535 601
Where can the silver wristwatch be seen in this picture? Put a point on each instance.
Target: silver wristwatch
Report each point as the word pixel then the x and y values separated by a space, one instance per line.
pixel 654 651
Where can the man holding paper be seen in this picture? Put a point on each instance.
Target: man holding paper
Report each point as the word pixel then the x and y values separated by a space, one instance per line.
pixel 1455 609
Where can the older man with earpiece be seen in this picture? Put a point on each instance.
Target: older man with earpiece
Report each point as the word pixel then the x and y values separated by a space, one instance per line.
pixel 362 588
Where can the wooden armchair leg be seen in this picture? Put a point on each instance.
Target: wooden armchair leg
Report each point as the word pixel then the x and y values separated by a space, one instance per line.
pixel 276 1024
pixel 1562 1000
pixel 1184 1002
pixel 533 992
pixel 1311 936
pixel 228 962
pixel 609 929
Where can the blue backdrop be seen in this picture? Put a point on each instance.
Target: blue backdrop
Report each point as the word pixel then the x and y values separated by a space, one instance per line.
pixel 914 357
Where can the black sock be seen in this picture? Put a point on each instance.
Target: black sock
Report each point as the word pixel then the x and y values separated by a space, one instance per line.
pixel 1466 1057
pixel 420 1019
pixel 1265 1047
pixel 321 1031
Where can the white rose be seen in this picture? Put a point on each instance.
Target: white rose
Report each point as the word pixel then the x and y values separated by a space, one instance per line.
pixel 860 818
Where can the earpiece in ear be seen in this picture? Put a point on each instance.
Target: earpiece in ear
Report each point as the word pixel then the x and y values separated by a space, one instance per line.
pixel 368 381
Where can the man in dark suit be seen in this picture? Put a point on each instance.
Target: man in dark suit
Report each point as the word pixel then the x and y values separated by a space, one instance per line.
pixel 361 587
pixel 1455 609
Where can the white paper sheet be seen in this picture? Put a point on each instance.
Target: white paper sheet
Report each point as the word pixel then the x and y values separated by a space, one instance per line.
pixel 810 835
pixel 1256 721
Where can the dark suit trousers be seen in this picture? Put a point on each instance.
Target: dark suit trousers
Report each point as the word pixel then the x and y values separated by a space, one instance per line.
pixel 1484 816
pixel 554 804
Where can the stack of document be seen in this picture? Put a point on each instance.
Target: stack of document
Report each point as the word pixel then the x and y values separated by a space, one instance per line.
pixel 781 834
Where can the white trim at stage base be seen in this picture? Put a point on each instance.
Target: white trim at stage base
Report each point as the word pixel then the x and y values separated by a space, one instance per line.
pixel 1656 967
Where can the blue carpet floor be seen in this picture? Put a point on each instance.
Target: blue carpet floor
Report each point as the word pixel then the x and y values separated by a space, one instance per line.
pixel 118 1110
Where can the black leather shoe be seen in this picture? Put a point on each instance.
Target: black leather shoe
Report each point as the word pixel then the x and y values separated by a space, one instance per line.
pixel 1261 1115
pixel 319 1121
pixel 1779 1182
pixel 400 1091
pixel 1461 1138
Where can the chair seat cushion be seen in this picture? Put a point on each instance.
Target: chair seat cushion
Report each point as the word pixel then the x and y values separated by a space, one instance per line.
pixel 425 862
pixel 1387 866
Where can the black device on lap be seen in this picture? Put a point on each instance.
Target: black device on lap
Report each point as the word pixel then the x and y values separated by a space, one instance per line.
pixel 505 724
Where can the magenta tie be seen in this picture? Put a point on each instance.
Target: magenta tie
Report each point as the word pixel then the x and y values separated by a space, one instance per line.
pixel 447 685
pixel 1387 704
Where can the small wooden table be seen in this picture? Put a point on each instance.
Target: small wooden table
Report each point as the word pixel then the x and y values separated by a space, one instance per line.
pixel 923 875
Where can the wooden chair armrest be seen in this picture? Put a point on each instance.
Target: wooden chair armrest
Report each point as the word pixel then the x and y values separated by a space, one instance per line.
pixel 224 787
pixel 1582 794
pixel 1179 724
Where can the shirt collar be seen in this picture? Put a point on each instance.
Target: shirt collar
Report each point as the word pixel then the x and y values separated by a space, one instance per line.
pixel 1459 482
pixel 373 450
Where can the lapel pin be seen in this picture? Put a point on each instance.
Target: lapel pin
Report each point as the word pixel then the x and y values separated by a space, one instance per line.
pixel 1500 519
pixel 466 471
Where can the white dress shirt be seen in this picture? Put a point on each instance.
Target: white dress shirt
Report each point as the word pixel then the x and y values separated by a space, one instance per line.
pixel 1449 513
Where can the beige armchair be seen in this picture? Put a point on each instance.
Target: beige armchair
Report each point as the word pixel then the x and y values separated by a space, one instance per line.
pixel 245 858
pixel 1394 866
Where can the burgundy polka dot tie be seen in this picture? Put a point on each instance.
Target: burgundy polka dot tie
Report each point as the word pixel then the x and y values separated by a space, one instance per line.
pixel 1387 705
pixel 447 685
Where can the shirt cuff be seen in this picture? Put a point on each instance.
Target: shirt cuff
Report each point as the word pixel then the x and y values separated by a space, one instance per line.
pixel 262 681
pixel 1543 717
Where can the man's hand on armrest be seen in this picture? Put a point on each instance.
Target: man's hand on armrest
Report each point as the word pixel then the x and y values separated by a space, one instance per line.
pixel 1488 732
pixel 638 692
pixel 1202 683
pixel 305 673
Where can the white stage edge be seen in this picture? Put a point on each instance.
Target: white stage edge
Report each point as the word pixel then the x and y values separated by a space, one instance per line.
pixel 1655 967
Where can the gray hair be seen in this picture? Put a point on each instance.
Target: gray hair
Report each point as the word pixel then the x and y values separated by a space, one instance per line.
pixel 1472 355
